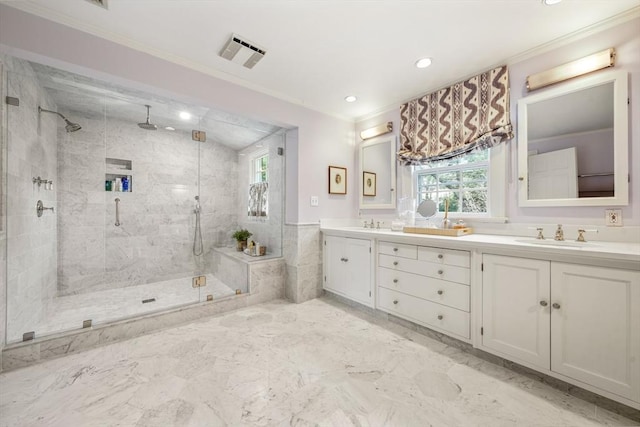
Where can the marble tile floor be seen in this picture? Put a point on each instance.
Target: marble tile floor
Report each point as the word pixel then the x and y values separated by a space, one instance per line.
pixel 68 312
pixel 279 364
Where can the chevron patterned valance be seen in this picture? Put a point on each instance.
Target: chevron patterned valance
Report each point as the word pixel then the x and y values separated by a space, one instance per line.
pixel 455 120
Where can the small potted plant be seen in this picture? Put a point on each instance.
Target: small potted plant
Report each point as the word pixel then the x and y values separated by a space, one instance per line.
pixel 241 237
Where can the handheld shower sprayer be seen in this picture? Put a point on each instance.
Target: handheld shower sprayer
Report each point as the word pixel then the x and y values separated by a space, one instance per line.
pixel 198 248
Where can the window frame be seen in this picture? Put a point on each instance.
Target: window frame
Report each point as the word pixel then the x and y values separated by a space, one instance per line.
pixel 254 170
pixel 496 186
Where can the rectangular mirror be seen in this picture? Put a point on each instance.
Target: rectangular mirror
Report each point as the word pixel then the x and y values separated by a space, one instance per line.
pixel 573 143
pixel 378 173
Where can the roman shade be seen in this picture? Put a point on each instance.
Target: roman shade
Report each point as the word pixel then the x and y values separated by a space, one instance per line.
pixel 472 114
pixel 258 201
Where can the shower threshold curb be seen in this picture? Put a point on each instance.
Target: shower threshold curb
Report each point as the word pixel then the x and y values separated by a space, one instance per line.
pixel 23 354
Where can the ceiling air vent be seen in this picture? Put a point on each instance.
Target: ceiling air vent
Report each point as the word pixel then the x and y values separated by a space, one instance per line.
pixel 101 3
pixel 242 51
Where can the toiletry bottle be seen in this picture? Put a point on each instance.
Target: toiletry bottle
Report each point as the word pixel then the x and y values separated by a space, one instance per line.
pixel 118 186
pixel 108 185
pixel 125 184
pixel 257 248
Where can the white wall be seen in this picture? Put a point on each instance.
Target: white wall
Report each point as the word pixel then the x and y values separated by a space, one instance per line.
pixel 322 139
pixel 626 39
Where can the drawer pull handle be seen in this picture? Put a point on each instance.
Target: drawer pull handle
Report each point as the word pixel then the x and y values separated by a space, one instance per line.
pixel 440 256
pixel 440 317
pixel 395 280
pixel 440 272
pixel 440 292
pixel 555 305
pixel 395 301
pixel 395 249
pixel 544 303
pixel 395 262
pixel 346 260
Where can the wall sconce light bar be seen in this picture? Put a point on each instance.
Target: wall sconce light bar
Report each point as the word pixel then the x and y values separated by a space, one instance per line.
pixel 576 68
pixel 376 131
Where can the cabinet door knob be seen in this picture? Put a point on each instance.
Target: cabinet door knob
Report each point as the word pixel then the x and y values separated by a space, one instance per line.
pixel 395 301
pixel 395 262
pixel 440 256
pixel 395 249
pixel 440 317
pixel 440 292
pixel 544 303
pixel 395 280
pixel 440 271
pixel 346 260
pixel 555 305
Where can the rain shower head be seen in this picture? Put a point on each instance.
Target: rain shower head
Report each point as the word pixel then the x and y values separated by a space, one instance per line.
pixel 147 125
pixel 70 127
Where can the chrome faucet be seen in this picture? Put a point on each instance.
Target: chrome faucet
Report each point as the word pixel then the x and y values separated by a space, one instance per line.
pixel 372 225
pixel 559 234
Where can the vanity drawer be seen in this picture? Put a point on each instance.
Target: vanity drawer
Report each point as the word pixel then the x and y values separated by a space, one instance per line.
pixel 398 249
pixel 424 312
pixel 444 256
pixel 430 269
pixel 450 294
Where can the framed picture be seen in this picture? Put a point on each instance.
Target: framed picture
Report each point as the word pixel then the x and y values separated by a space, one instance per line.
pixel 337 180
pixel 368 184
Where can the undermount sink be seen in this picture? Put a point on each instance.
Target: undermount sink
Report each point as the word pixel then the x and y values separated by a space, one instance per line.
pixel 551 242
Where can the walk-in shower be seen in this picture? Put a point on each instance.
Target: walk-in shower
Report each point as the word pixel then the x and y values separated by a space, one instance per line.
pixel 125 237
pixel 70 127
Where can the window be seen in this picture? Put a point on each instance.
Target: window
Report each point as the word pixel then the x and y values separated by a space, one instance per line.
pixel 464 181
pixel 260 169
pixel 258 206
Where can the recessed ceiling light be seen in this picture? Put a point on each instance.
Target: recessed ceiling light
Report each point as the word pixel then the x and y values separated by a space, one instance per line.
pixel 423 62
pixel 184 115
pixel 170 128
pixel 551 2
pixel 350 98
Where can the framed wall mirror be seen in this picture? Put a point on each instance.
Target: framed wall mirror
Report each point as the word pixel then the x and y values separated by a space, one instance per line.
pixel 573 143
pixel 377 179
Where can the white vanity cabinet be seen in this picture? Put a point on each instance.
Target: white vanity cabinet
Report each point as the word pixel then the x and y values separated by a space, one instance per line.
pixel 426 285
pixel 581 322
pixel 348 268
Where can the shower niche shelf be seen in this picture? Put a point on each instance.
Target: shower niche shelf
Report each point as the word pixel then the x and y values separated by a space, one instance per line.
pixel 117 168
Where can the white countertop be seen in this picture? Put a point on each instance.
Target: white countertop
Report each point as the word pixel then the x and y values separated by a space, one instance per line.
pixel 614 254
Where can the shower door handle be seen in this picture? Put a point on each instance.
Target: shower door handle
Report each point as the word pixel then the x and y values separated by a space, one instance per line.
pixel 117 212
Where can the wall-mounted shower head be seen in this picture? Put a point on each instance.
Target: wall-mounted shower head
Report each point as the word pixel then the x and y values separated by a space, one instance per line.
pixel 70 127
pixel 147 125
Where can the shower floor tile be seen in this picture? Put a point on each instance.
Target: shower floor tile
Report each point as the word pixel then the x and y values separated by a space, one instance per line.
pixel 316 363
pixel 68 312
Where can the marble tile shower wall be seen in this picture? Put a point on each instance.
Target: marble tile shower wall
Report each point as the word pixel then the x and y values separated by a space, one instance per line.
pixel 265 231
pixel 302 252
pixel 31 247
pixel 155 239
